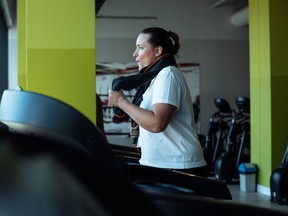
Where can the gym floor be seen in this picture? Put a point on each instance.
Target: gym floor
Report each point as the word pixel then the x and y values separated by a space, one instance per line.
pixel 254 199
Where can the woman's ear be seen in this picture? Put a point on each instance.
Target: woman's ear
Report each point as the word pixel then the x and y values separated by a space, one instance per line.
pixel 158 51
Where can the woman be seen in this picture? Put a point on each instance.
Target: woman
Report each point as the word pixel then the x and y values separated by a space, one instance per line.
pixel 162 106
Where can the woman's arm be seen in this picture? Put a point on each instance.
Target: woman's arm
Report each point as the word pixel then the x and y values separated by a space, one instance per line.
pixel 154 121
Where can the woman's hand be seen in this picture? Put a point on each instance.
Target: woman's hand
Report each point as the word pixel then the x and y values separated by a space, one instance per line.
pixel 115 97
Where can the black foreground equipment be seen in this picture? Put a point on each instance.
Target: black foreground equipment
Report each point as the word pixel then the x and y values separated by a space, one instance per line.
pixel 43 126
pixel 50 168
pixel 150 179
pixel 126 154
pixel 279 182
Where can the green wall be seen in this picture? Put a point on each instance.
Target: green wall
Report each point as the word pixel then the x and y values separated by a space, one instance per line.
pixel 268 34
pixel 56 51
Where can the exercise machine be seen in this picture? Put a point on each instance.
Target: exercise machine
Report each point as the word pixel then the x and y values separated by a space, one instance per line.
pixel 238 144
pixel 217 132
pixel 62 165
pixel 279 181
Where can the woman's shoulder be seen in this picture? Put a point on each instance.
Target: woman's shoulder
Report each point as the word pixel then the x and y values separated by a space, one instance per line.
pixel 170 70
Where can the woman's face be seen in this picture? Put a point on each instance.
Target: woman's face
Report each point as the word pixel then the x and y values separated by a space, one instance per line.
pixel 145 54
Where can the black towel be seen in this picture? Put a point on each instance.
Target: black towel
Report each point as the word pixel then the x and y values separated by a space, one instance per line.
pixel 141 81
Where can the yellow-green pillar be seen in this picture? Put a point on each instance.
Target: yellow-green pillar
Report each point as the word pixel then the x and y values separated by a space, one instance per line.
pixel 268 32
pixel 56 51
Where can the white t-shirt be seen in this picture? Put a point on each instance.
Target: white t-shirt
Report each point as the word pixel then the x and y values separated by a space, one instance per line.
pixel 177 146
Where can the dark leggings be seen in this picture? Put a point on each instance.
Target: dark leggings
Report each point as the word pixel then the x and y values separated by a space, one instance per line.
pixel 199 171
